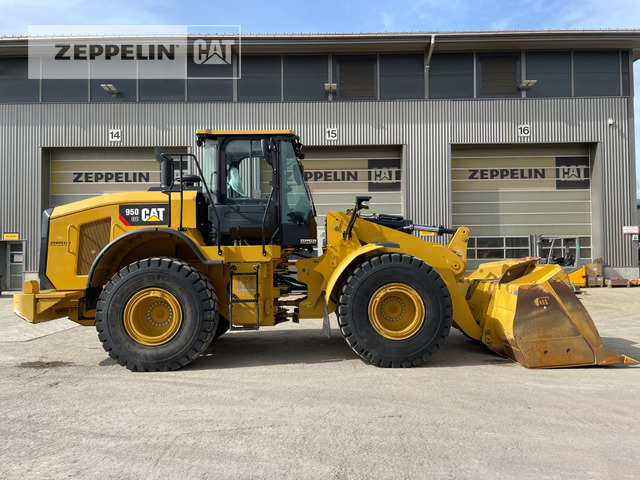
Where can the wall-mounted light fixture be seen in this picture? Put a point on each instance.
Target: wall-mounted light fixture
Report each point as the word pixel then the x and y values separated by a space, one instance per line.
pixel 109 88
pixel 610 121
pixel 527 84
pixel 330 87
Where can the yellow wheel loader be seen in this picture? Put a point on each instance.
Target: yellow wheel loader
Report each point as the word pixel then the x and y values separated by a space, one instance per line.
pixel 161 273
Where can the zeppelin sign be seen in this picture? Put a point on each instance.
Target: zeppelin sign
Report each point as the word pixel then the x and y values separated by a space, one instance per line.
pixel 502 173
pixel 551 173
pixel 374 175
pixel 108 177
pixel 133 52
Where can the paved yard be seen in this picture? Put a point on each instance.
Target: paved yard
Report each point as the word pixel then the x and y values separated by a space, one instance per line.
pixel 287 402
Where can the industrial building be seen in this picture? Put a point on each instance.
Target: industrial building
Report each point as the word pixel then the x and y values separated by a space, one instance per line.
pixel 508 133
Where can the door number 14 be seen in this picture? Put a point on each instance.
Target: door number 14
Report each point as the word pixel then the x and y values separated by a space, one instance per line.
pixel 115 135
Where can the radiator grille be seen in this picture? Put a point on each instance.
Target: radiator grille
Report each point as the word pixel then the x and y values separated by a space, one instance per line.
pixel 93 238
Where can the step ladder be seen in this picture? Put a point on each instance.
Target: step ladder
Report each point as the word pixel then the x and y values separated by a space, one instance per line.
pixel 234 299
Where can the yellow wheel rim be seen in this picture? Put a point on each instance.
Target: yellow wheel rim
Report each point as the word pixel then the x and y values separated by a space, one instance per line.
pixel 396 311
pixel 152 316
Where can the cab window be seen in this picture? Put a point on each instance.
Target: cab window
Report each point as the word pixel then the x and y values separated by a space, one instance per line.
pixel 295 199
pixel 248 175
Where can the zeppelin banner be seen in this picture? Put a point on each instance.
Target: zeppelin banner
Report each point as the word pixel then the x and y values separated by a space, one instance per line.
pixel 348 175
pixel 520 173
pixel 102 176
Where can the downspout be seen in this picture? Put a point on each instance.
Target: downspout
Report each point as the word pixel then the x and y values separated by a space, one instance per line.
pixel 427 65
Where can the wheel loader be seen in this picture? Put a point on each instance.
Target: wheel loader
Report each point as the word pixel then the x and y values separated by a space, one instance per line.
pixel 230 246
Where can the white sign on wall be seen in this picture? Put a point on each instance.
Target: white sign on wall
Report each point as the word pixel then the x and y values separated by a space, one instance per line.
pixel 331 134
pixel 524 130
pixel 115 135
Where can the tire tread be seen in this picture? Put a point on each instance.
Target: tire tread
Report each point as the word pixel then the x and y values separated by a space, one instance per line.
pixel 347 294
pixel 201 286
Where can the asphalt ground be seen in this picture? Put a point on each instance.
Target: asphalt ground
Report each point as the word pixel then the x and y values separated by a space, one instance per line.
pixel 287 402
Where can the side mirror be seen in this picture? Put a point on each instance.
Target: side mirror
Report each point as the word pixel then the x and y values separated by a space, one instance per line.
pixel 268 147
pixel 166 168
pixel 159 154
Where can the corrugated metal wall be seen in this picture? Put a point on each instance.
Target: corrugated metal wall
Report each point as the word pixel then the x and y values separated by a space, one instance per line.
pixel 425 128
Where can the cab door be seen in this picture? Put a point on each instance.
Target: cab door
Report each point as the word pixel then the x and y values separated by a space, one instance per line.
pixel 246 180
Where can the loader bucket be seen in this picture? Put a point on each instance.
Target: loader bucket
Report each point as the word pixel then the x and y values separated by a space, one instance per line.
pixel 529 313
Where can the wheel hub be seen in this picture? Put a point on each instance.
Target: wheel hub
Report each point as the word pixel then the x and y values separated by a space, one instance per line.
pixel 397 308
pixel 396 311
pixel 159 310
pixel 152 316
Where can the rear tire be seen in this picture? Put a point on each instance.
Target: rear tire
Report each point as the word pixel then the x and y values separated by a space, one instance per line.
pixel 157 314
pixel 394 310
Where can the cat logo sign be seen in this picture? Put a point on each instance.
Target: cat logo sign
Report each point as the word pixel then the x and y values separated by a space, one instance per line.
pixel 152 214
pixel 155 214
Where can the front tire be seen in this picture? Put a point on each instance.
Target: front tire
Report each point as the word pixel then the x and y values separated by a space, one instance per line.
pixel 394 310
pixel 157 314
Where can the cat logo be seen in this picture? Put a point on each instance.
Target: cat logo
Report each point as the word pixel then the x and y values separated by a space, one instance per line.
pixel 146 214
pixel 212 53
pixel 152 214
pixel 541 302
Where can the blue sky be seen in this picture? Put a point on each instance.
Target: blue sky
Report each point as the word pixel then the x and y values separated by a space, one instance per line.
pixel 348 16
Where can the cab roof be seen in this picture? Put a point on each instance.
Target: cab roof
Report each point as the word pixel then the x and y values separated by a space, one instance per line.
pixel 222 133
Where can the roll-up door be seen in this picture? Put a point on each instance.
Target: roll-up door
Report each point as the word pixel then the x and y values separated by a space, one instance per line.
pixel 336 175
pixel 79 173
pixel 505 193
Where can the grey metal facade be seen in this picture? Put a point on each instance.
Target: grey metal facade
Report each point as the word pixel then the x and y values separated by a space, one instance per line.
pixel 426 128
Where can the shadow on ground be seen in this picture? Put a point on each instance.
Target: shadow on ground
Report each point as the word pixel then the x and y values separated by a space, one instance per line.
pixel 253 349
pixel 623 346
pixel 290 347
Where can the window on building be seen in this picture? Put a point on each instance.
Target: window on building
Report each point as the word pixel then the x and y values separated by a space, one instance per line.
pixel 498 75
pixel 207 90
pixel 126 90
pixel 552 72
pixel 15 85
pixel 401 76
pixel 210 82
pixel 169 90
pixel 261 78
pixel 499 248
pixel 451 75
pixel 596 74
pixel 305 76
pixel 492 248
pixel 356 77
pixel 55 90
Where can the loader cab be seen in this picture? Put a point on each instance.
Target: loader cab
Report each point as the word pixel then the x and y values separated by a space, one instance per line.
pixel 259 191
